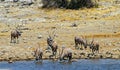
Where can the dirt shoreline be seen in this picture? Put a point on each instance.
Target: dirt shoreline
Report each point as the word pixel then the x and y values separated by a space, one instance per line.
pixel 73 59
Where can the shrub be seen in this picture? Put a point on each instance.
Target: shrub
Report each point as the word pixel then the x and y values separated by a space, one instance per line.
pixel 69 4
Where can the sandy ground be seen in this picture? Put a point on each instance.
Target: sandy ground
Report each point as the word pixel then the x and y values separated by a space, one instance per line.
pixel 101 23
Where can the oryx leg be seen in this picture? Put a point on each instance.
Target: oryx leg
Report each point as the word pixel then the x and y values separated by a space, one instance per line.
pixel 76 46
pixel 81 47
pixel 14 40
pixel 17 40
pixel 11 39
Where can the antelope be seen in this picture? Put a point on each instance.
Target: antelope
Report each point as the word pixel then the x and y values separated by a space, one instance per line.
pixel 66 52
pixel 15 35
pixel 52 44
pixel 38 53
pixel 94 46
pixel 80 41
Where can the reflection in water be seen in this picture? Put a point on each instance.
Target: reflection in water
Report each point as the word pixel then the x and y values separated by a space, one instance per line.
pixel 38 62
pixel 82 64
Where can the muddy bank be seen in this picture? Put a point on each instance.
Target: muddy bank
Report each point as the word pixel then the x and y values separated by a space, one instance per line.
pixel 12 53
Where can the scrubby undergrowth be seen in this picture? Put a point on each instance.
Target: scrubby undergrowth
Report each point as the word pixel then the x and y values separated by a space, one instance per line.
pixel 69 4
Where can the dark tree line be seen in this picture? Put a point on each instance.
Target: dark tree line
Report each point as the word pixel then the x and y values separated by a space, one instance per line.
pixel 69 4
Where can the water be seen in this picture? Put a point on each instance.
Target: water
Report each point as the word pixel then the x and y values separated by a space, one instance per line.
pixel 82 64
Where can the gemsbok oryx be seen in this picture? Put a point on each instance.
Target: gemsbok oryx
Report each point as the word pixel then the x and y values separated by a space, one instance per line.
pixel 94 46
pixel 66 53
pixel 15 36
pixel 52 43
pixel 38 53
pixel 80 41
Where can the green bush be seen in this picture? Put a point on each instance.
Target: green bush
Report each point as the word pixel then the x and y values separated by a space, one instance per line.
pixel 69 4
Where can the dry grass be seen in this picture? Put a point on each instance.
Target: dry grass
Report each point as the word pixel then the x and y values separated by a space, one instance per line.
pixel 62 19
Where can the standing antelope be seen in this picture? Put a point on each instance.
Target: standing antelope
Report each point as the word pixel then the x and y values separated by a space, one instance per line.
pixel 15 35
pixel 52 44
pixel 66 52
pixel 94 46
pixel 80 41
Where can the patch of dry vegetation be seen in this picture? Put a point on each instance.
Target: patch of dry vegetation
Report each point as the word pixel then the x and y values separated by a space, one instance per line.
pixel 93 22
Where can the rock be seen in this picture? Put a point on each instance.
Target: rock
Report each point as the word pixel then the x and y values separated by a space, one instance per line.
pixel 24 38
pixel 39 36
pixel 10 61
pixel 82 53
pixel 115 56
pixel 89 56
pixel 74 60
pixel 40 5
pixel 74 25
pixel 101 56
pixel 25 28
pixel 4 31
pixel 26 2
pixel 6 5
pixel 9 0
pixel 109 44
pixel 75 53
pixel 118 42
pixel 1 53
pixel 39 19
pixel 117 1
pixel 108 54
pixel 24 41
